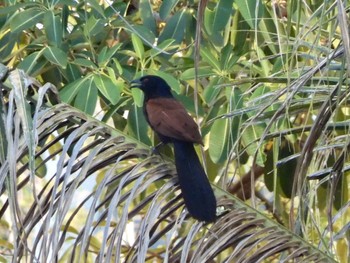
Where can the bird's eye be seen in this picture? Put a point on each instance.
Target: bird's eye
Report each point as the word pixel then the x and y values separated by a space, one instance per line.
pixel 145 80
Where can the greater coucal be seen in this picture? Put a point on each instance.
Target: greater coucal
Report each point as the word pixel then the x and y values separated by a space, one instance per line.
pixel 171 122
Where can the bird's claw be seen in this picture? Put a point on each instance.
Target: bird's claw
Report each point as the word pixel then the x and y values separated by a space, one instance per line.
pixel 155 150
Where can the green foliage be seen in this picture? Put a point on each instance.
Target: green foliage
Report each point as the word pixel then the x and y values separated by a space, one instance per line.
pixel 268 71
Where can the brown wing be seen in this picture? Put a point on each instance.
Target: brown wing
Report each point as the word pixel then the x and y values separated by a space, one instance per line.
pixel 169 118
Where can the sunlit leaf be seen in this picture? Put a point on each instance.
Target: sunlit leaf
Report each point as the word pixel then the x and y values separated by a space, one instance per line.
pixel 210 58
pixel 218 138
pixel 219 16
pixel 251 10
pixel 138 126
pixel 212 90
pixel 228 59
pixel 216 22
pixel 111 90
pixel 138 46
pixel 202 72
pixel 250 139
pixel 224 131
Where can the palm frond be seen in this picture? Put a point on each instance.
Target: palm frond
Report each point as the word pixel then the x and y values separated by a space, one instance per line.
pixel 76 190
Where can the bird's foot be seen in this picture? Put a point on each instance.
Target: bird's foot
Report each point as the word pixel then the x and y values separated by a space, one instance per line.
pixel 155 149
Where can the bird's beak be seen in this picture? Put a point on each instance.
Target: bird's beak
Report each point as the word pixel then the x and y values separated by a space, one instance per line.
pixel 136 83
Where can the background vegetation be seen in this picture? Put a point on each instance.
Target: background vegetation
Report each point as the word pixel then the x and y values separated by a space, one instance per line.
pixel 267 82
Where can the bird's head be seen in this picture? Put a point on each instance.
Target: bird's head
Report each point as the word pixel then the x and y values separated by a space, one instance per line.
pixel 152 87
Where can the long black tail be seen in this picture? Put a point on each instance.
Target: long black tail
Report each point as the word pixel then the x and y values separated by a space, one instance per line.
pixel 196 190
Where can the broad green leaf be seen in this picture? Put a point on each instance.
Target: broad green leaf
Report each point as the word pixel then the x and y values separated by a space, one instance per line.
pixel 137 125
pixel 166 7
pixel 210 58
pixel 8 10
pixel 116 65
pixel 216 20
pixel 33 63
pixel 101 56
pixel 228 58
pixel 111 90
pixel 265 64
pixel 137 95
pixel 258 97
pixel 250 139
pixel 94 26
pixel 224 131
pixel 251 11
pixel 218 138
pixel 72 72
pixel 26 19
pixel 86 98
pixel 116 6
pixel 202 72
pixel 8 41
pixel 65 12
pixel 96 6
pixel 212 90
pixel 208 20
pixel 220 34
pixel 175 27
pixel 164 46
pixel 111 51
pixel 53 29
pixel 106 54
pixel 268 30
pixel 84 63
pixel 146 14
pixel 56 56
pixel 278 177
pixel 145 34
pixel 252 134
pixel 240 32
pixel 138 46
pixel 222 14
pixel 119 86
pixel 69 92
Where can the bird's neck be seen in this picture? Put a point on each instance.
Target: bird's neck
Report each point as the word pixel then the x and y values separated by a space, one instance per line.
pixel 158 94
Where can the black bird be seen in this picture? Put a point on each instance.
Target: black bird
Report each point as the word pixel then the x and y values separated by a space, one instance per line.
pixel 171 122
